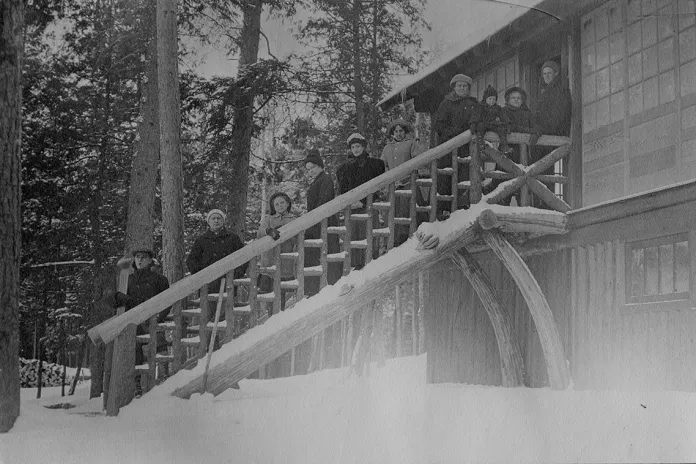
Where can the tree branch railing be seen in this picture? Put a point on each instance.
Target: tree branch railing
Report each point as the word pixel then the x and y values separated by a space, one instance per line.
pixel 257 307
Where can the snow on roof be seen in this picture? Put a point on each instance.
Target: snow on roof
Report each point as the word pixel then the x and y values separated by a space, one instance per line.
pixel 489 18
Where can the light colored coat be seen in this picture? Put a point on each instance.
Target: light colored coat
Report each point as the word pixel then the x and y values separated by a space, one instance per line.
pixel 287 266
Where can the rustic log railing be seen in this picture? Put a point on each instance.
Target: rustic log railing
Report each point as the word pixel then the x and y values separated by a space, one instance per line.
pixel 249 307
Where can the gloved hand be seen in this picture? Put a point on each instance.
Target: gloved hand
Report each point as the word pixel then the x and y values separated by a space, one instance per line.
pixel 534 138
pixel 121 299
pixel 273 233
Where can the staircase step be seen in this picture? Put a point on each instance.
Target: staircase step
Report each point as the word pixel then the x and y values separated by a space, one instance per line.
pixel 464 184
pixel 142 367
pixel 166 326
pixel 361 244
pixel 191 312
pixel 424 182
pixel 337 257
pixel 337 229
pixel 313 243
pixel 445 171
pixel 402 220
pixel 162 358
pixel 384 232
pixel 191 341
pixel 265 297
pixel 212 298
pixel 142 338
pixel 293 255
pixel 242 281
pixel 314 271
pixel 290 284
pixel 465 160
pixel 423 209
pixel 360 216
pixel 381 205
pixel 242 309
pixel 403 193
pixel 222 325
pixel 444 197
pixel 270 270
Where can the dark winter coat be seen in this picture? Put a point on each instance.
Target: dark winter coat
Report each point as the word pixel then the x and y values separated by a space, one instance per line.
pixel 143 284
pixel 211 247
pixel 552 116
pixel 488 117
pixel 358 170
pixel 520 118
pixel 454 115
pixel 320 191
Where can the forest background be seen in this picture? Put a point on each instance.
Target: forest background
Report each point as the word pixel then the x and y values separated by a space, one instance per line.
pixel 258 84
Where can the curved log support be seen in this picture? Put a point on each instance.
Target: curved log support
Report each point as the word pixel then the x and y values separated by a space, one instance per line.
pixel 511 365
pixel 556 364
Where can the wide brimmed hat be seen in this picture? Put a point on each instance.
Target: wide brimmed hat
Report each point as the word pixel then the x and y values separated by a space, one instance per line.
pixel 399 122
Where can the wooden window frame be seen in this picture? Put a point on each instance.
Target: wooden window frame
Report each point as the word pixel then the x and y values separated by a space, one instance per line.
pixel 665 301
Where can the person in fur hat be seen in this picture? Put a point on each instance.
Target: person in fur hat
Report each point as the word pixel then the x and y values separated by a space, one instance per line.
pixel 359 168
pixel 517 111
pixel 216 243
pixel 451 119
pixel 400 148
pixel 488 116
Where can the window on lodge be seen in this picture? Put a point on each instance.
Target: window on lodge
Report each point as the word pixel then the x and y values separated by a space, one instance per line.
pixel 658 270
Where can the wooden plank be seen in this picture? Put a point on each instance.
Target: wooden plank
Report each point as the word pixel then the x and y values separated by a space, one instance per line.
pixel 323 260
pixel 277 277
pixel 433 191
pixel 398 324
pixel 368 230
pixel 475 191
pixel 390 216
pixel 412 203
pixel 557 369
pixel 203 320
pixel 122 379
pixel 512 366
pixel 524 161
pixel 454 184
pixel 346 241
pixel 151 353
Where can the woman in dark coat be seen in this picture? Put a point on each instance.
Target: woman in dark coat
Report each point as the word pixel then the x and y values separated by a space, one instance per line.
pixel 518 114
pixel 360 168
pixel 451 119
pixel 216 243
pixel 320 191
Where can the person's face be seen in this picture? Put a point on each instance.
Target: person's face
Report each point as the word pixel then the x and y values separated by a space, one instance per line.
pixel 399 133
pixel 312 169
pixel 548 74
pixel 490 101
pixel 515 99
pixel 461 89
pixel 216 222
pixel 280 205
pixel 142 260
pixel 357 148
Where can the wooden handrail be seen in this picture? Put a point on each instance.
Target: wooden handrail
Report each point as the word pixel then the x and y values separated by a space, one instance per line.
pixel 109 329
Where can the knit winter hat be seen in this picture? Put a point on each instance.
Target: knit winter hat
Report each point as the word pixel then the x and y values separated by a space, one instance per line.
pixel 551 64
pixel 461 78
pixel 215 211
pixel 489 92
pixel 357 138
pixel 314 157
pixel 519 90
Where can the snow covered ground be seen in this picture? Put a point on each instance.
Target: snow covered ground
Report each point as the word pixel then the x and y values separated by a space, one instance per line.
pixel 330 417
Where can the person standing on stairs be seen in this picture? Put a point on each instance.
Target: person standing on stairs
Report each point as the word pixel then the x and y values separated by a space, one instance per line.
pixel 216 243
pixel 144 283
pixel 400 148
pixel 280 213
pixel 360 168
pixel 320 191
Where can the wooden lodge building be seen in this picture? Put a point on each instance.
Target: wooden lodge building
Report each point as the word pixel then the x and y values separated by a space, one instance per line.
pixel 621 282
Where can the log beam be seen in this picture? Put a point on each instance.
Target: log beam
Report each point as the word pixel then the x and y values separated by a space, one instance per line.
pixel 511 365
pixel 556 364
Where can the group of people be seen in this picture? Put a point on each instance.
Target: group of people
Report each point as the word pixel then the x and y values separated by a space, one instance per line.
pixel 460 111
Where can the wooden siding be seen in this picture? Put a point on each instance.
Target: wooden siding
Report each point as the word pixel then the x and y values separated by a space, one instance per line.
pixel 609 344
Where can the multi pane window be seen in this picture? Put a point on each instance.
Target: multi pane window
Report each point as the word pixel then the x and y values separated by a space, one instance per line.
pixel 603 58
pixel 658 270
pixel 650 47
pixel 687 45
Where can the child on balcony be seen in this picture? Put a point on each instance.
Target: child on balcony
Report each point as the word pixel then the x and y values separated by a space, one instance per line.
pixel 488 116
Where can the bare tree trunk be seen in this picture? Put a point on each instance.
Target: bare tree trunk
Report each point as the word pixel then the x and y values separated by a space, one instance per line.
pixel 11 56
pixel 143 178
pixel 170 123
pixel 357 69
pixel 243 118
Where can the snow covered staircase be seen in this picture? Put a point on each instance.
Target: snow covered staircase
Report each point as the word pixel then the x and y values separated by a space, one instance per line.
pixel 362 239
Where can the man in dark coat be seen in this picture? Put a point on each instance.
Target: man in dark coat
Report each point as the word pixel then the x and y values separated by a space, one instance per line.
pixel 360 168
pixel 216 243
pixel 320 191
pixel 143 284
pixel 451 119
pixel 552 116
